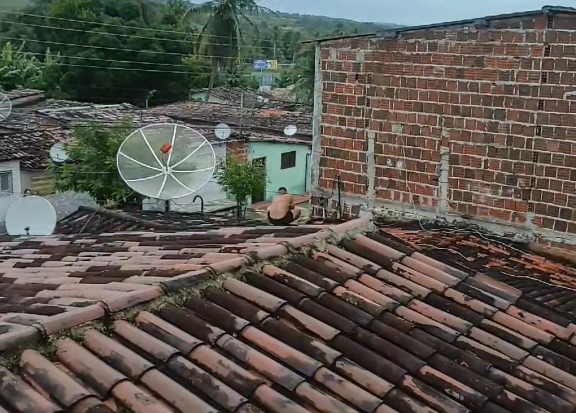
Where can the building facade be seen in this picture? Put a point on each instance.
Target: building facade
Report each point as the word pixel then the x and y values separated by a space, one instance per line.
pixel 472 120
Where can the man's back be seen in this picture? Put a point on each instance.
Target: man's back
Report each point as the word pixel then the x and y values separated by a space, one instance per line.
pixel 280 206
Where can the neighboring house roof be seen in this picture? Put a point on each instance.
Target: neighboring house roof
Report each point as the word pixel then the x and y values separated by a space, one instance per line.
pixel 370 324
pixel 236 96
pixel 103 114
pixel 24 97
pixel 114 115
pixel 28 117
pixel 89 220
pixel 31 148
pixel 258 120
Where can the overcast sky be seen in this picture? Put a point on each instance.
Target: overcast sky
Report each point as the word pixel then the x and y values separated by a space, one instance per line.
pixel 409 12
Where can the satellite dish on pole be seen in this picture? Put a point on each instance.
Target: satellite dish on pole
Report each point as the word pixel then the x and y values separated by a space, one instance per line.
pixel 166 161
pixel 31 215
pixel 290 130
pixel 5 106
pixel 222 131
pixel 58 153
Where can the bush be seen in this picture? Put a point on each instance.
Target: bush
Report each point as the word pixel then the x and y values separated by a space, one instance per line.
pixel 240 179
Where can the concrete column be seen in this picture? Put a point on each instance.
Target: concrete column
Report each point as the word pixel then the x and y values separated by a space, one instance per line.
pixel 316 124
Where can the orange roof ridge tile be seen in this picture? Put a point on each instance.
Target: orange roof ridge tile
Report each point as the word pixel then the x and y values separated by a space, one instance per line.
pixel 93 312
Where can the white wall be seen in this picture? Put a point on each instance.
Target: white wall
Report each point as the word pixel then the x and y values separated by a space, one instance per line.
pixel 7 199
pixel 210 192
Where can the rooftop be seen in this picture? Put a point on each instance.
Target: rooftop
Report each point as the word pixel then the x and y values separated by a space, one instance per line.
pixel 42 278
pixel 359 323
pixel 23 97
pixel 257 120
pixel 103 114
pixel 236 96
pixel 89 220
pixel 31 148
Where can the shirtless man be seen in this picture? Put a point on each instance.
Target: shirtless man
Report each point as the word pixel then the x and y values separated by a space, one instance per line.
pixel 282 210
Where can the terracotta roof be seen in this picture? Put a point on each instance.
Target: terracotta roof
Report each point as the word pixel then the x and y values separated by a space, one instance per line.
pixel 88 220
pixel 46 277
pixel 370 325
pixel 236 95
pixel 103 114
pixel 258 120
pixel 31 148
pixel 28 117
pixel 545 281
pixel 23 97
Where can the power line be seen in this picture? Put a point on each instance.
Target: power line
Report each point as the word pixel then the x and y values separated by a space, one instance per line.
pixel 118 49
pixel 181 55
pixel 102 24
pixel 126 35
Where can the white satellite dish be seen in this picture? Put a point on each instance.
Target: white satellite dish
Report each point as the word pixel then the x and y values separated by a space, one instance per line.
pixel 5 106
pixel 290 130
pixel 58 153
pixel 31 215
pixel 222 131
pixel 166 161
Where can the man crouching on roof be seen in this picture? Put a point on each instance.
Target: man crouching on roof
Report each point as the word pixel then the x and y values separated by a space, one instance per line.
pixel 282 211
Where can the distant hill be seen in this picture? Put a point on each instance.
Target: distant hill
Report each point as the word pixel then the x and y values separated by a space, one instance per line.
pixel 310 26
pixel 322 25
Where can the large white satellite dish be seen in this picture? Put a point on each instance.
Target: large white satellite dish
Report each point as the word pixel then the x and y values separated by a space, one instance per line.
pixel 58 153
pixel 5 106
pixel 290 130
pixel 31 215
pixel 166 161
pixel 222 131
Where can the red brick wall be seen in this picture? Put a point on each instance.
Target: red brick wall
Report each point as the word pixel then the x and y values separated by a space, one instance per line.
pixel 493 98
pixel 237 149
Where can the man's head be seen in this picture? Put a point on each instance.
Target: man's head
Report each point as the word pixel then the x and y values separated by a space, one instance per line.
pixel 282 190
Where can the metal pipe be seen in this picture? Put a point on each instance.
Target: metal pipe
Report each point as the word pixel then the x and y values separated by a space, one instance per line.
pixel 201 203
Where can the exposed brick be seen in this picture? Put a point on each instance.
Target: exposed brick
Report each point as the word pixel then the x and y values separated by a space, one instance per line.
pixel 494 97
pixel 237 150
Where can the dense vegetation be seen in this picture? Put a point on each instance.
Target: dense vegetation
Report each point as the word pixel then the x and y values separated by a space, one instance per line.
pixel 152 51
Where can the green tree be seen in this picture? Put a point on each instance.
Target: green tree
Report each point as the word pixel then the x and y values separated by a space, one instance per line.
pixel 112 50
pixel 240 179
pixel 92 168
pixel 303 90
pixel 221 36
pixel 19 68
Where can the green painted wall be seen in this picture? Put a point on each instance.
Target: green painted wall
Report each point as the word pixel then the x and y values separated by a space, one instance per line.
pixel 296 179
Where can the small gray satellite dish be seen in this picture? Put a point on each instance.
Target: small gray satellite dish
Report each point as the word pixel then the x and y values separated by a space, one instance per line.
pixel 290 130
pixel 31 215
pixel 5 106
pixel 58 153
pixel 222 131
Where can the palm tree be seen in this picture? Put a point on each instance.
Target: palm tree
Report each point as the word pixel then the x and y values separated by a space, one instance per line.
pixel 221 37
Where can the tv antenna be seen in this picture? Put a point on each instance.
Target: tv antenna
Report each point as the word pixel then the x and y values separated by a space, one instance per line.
pixel 222 131
pixel 58 153
pixel 290 130
pixel 166 161
pixel 31 215
pixel 5 106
